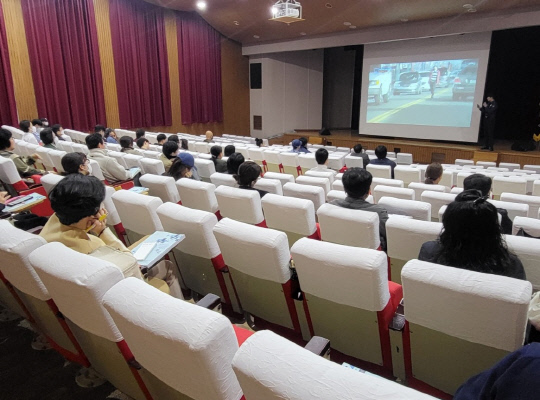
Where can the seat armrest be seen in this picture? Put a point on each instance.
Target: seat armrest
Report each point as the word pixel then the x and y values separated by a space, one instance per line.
pixel 319 346
pixel 398 321
pixel 210 301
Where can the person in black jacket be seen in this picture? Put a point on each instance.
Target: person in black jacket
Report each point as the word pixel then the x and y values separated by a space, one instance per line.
pixel 489 110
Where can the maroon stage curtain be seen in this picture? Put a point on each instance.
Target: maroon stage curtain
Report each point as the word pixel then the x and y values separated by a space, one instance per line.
pixel 64 56
pixel 8 107
pixel 199 58
pixel 141 63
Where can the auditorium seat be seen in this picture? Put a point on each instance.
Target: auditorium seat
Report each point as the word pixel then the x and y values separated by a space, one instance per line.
pixel 113 146
pixel 257 155
pixel 46 160
pixel 339 176
pixel 202 147
pixel 346 290
pixel 80 148
pixel 530 167
pixel 336 195
pixel 532 201
pixel 354 162
pixel 447 179
pixel 460 161
pixel 205 168
pixel 56 159
pixel 511 184
pixel 258 261
pixel 161 186
pixel 151 154
pixel 461 177
pixel 321 174
pixel 295 217
pixel 289 163
pixel 530 226
pixel 218 179
pixel 407 174
pixel 198 195
pixel 240 204
pixel 283 178
pixel 444 345
pixel 404 239
pixel 314 193
pixel 77 283
pixel 419 188
pixel 307 161
pixel 338 185
pixel 113 218
pixel 349 227
pixel 272 161
pixel 417 209
pixel 152 166
pixel 391 191
pixel 404 158
pixel 269 185
pixel 313 181
pixel 527 250
pixel 486 164
pixel 456 190
pixel 514 209
pixel 386 182
pixel 49 181
pixel 380 171
pixel 437 200
pixel 510 166
pixel 118 156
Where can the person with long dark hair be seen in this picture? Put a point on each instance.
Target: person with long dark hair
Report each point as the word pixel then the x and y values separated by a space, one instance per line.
pixel 170 151
pixel 471 239
pixel 182 167
pixel 248 174
pixel 217 154
pixel 433 174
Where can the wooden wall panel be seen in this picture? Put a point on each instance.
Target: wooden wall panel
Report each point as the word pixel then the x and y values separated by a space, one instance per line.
pixel 19 59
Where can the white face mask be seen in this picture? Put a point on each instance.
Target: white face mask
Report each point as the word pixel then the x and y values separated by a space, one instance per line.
pixel 89 169
pixel 34 129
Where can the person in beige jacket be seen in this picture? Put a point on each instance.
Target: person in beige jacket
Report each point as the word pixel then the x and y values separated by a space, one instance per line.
pixel 112 171
pixel 170 151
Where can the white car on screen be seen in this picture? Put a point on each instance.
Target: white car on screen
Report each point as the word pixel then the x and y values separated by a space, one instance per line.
pixel 424 76
pixel 380 86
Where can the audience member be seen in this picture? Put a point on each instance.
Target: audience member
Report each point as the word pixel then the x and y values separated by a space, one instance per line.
pixel 76 163
pixel 59 134
pixel 248 174
pixel 182 167
pixel 99 129
pixel 381 152
pixel 471 239
pixel 37 127
pixel 357 183
pixel 303 146
pixel 483 184
pixel 296 144
pixel 126 142
pixel 25 165
pixel 184 144
pixel 229 149
pixel 170 151
pixel 143 143
pixel 110 136
pixel 45 122
pixel 321 156
pixel 139 133
pixel 47 138
pixel 357 152
pixel 28 136
pixel 173 138
pixel 259 142
pixel 209 137
pixel 233 162
pixel 217 154
pixel 112 171
pixel 161 139
pixel 433 174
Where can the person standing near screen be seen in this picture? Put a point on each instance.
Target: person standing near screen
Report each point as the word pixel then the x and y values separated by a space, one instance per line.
pixel 434 80
pixel 489 110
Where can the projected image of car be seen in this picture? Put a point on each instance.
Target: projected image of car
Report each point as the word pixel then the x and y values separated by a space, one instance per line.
pixel 424 75
pixel 465 83
pixel 380 85
pixel 408 82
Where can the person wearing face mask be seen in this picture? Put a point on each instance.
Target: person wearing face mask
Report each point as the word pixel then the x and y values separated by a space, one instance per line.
pixel 37 127
pixel 76 163
pixel 28 134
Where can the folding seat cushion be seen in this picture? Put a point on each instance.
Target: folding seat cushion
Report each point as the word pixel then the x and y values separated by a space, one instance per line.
pixel 345 290
pixel 404 158
pixel 386 182
pixel 404 239
pixel 283 178
pixel 137 213
pixel 313 181
pixel 532 201
pixel 354 162
pixel 219 179
pixel 321 174
pixel 419 188
pixel 337 195
pixel 265 363
pixel 510 184
pixel 49 181
pixel 187 347
pixel 198 195
pixel 272 161
pixel 308 192
pixel 459 322
pixel 349 227
pixel 391 191
pixel 240 204
pixel 379 171
pixel 514 209
pixel 417 209
pixel 163 187
pixel 152 166
pixel 289 163
pixel 269 185
pixel 407 174
pixel 77 283
pixel 199 257
pixel 205 168
pixel 437 200
pixel 307 161
pixel 295 217
pixel 528 252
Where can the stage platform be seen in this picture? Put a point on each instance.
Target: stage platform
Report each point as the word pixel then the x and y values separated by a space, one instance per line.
pixel 423 151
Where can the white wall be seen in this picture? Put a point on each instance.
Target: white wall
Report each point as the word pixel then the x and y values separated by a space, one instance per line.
pixel 291 94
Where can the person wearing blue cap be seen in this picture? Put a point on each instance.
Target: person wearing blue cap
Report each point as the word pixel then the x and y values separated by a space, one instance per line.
pixel 183 167
pixel 296 144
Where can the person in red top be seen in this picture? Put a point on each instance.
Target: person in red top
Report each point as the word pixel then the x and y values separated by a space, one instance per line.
pixel 434 80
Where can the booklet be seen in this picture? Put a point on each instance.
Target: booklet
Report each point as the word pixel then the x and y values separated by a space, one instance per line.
pixel 22 202
pixel 162 243
pixel 138 189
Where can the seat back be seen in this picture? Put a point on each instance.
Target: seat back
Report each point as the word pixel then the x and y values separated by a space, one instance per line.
pixel 308 192
pixel 343 226
pixel 256 154
pixel 461 177
pixel 205 168
pixel 407 174
pixel 447 179
pixel 354 162
pixel 487 164
pixel 307 161
pixel 161 186
pixel 112 214
pixel 133 161
pixel 532 201
pixel 295 217
pixel 192 357
pixel 404 158
pixel 202 147
pixel 8 172
pixel 321 174
pixel 197 195
pixel 338 185
pixel 528 253
pixel 336 161
pixel 272 160
pixel 269 185
pixel 283 178
pixel 152 166
pixel 531 226
pixel 514 209
pixel 113 146
pixel 510 184
pixel 119 157
pixel 419 188
pixel 313 181
pixel 391 191
pixel 531 167
pixel 290 163
pixel 137 213
pixel 337 195
pixel 460 161
pixel 379 171
pixel 96 170
pixel 386 182
pixel 56 158
pixel 417 209
pixel 240 204
pixel 219 179
pixel 510 166
pixel 437 200
pixel 49 181
pixel 493 326
pixel 46 160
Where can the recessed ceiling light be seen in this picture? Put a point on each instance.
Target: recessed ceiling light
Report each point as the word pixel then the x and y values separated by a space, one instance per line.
pixel 274 10
pixel 201 5
pixel 404 20
pixel 328 5
pixel 471 10
pixel 256 36
pixel 303 33
pixel 352 27
pixel 347 24
pixel 236 23
pixel 468 5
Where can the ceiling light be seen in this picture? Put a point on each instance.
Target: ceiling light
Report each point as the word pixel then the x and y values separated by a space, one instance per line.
pixel 303 33
pixel 256 36
pixel 201 5
pixel 468 6
pixel 404 20
pixel 328 5
pixel 352 27
pixel 471 10
pixel 274 10
pixel 236 23
pixel 287 11
pixel 347 24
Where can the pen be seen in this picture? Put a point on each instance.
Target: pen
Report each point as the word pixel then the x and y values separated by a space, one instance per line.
pixel 100 219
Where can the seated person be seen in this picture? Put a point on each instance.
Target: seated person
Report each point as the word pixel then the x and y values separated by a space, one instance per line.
pixel 259 142
pixel 28 135
pixel 170 151
pixel 139 133
pixel 229 149
pixel 143 143
pixel 161 139
pixel 59 133
pixel 184 144
pixel 37 127
pixel 24 165
pixel 303 146
pixel 381 152
pixel 173 138
pixel 126 142
pixel 76 163
pixel 209 137
pixel 357 152
pixel 296 144
pixel 483 183
pixel 182 167
pixel 217 154
pixel 100 129
pixel 76 201
pixel 433 174
pixel 321 156
pixel 471 239
pixel 233 162
pixel 112 171
pixel 47 138
pixel 110 136
pixel 357 183
pixel 247 176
